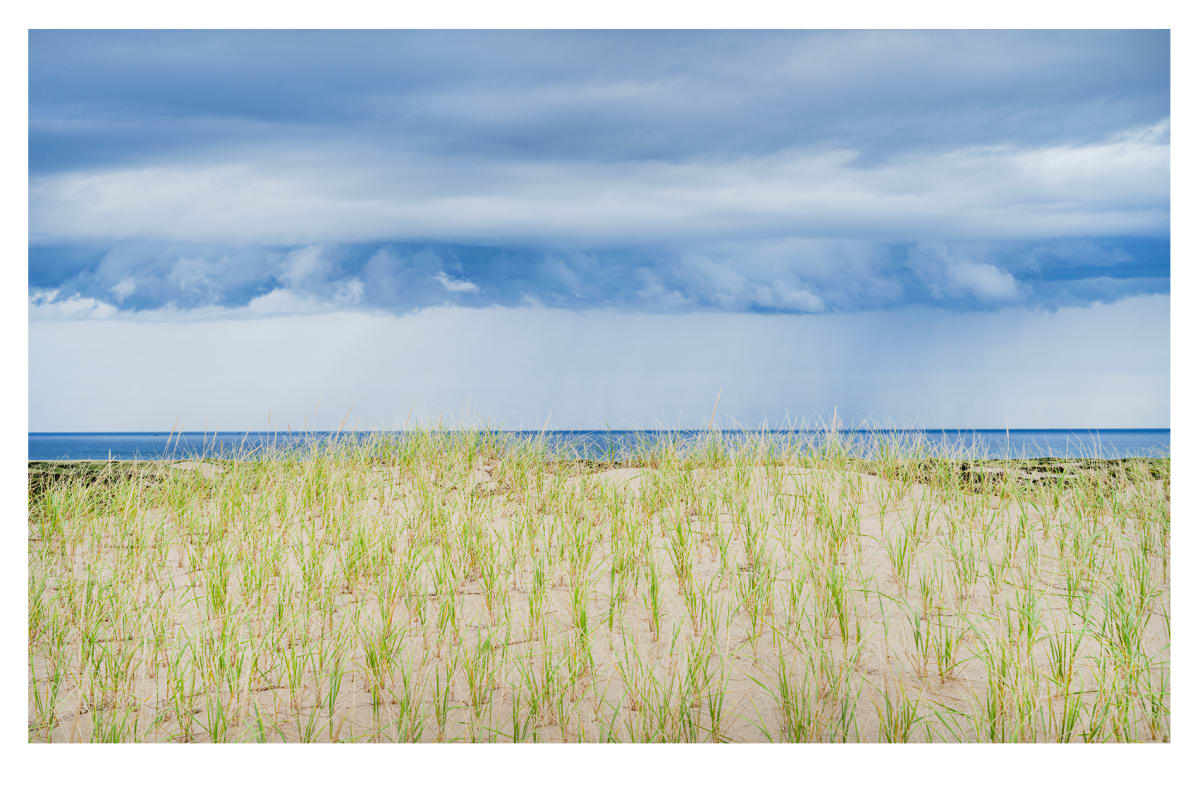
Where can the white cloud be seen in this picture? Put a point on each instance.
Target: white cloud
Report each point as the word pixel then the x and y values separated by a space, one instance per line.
pixel 305 267
pixel 52 306
pixel 278 302
pixel 1116 187
pixel 349 291
pixel 455 285
pixel 123 289
pixel 983 281
pixel 47 306
pixel 950 274
pixel 784 297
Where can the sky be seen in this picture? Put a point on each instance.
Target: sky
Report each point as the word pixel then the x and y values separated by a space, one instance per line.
pixel 579 229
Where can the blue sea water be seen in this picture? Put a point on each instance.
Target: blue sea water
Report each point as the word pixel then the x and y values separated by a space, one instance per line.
pixel 983 443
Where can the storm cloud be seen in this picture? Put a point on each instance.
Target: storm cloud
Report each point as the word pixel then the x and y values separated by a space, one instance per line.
pixel 769 171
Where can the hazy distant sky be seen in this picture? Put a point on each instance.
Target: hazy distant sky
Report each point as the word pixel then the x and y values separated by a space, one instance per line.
pixel 583 229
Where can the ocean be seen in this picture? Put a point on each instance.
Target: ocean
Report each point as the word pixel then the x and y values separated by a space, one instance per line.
pixel 601 444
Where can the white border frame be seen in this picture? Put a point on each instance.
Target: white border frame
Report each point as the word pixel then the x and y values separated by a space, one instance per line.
pixel 593 769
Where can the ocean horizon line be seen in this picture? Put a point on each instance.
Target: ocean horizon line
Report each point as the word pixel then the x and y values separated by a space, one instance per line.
pixel 630 430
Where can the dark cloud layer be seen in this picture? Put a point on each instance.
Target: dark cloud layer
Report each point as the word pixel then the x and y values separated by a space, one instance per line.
pixel 104 97
pixel 772 277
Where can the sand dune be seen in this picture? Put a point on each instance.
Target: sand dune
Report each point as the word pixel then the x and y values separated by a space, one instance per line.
pixel 488 599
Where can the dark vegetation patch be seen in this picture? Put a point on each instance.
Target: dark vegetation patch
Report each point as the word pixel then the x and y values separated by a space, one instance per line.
pixel 988 476
pixel 983 476
pixel 44 475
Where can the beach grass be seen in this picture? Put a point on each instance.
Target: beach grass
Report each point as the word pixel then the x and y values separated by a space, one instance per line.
pixel 475 586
